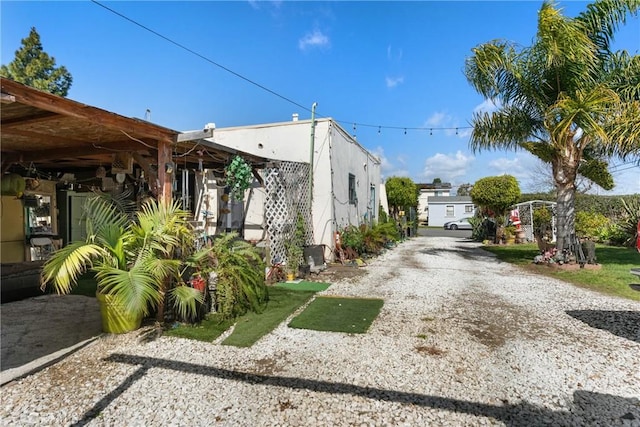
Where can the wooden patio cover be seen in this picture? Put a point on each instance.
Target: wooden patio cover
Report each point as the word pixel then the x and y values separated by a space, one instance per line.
pixel 57 135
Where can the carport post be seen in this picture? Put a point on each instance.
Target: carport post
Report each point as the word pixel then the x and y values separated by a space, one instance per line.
pixel 165 171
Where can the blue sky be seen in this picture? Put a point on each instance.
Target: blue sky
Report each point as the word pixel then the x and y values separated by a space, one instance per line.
pixel 394 69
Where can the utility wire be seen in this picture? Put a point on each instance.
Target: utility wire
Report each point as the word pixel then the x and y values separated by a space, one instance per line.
pixel 248 80
pixel 202 56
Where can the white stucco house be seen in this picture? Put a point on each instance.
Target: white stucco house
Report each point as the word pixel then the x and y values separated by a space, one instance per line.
pixel 449 208
pixel 438 189
pixel 341 188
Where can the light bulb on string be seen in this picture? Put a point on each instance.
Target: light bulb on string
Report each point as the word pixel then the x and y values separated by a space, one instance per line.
pixel 430 131
pixel 405 131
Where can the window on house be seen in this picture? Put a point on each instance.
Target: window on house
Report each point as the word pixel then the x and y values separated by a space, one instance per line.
pixel 449 210
pixel 468 209
pixel 353 199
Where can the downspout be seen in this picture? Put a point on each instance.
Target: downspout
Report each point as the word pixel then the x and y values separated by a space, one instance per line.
pixel 313 140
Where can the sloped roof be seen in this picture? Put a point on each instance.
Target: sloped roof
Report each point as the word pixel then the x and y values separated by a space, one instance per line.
pixel 449 199
pixel 57 134
pixel 432 186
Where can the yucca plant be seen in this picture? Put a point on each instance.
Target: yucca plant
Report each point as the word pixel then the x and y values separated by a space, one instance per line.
pixel 240 270
pixel 629 224
pixel 137 263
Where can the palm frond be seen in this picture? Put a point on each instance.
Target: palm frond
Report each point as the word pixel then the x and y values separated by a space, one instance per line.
pixel 185 301
pixel 135 289
pixel 602 19
pixel 67 264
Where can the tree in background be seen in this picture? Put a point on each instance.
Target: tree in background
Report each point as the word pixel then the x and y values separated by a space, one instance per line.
pixel 402 193
pixel 464 189
pixel 35 68
pixel 496 195
pixel 567 99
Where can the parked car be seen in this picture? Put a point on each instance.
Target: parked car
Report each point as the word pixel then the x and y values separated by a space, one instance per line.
pixel 458 224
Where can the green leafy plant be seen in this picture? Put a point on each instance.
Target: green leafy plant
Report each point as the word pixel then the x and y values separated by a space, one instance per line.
pixel 138 263
pixel 591 225
pixel 238 177
pixel 629 223
pixel 542 221
pixel 240 270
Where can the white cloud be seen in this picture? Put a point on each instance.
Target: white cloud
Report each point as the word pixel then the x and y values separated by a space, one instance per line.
pixel 394 81
pixel 388 169
pixel 487 106
pixel 314 39
pixel 447 167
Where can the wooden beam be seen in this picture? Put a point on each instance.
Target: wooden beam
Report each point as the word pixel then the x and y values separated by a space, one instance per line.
pixel 5 98
pixel 164 178
pixel 195 135
pixel 149 173
pixel 28 120
pixel 66 107
pixel 71 152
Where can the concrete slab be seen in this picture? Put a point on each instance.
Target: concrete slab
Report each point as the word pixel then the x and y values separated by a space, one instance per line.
pixel 39 331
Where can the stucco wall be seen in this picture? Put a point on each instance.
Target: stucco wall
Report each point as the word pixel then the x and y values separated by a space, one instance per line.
pixel 335 155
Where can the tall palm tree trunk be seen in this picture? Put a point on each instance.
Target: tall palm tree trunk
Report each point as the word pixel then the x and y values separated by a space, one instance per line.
pixel 564 174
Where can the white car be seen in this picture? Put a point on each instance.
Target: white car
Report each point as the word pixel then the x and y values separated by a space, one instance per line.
pixel 458 224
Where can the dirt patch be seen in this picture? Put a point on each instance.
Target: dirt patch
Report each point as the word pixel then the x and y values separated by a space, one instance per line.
pixel 488 319
pixel 571 267
pixel 338 272
pixel 430 350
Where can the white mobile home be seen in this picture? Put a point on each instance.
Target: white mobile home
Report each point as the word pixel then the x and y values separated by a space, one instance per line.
pixel 342 187
pixel 430 190
pixel 449 208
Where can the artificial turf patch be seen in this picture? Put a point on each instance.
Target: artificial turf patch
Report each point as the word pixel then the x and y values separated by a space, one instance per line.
pixel 338 314
pixel 303 285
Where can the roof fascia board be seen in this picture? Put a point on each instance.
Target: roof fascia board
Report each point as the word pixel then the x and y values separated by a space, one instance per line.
pixel 29 96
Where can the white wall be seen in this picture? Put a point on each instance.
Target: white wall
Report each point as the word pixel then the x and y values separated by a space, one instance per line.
pixel 438 216
pixel 349 157
pixel 335 155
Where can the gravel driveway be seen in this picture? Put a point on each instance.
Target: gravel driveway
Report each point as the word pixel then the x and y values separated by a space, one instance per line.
pixel 462 340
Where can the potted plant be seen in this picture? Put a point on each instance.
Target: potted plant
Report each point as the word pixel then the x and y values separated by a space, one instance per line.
pixel 510 234
pixel 294 259
pixel 137 264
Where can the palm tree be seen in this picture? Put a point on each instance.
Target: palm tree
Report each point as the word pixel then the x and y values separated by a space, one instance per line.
pixel 139 263
pixel 567 99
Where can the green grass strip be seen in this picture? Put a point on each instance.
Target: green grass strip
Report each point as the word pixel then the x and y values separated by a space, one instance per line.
pixel 252 326
pixel 207 330
pixel 304 286
pixel 350 315
pixel 614 277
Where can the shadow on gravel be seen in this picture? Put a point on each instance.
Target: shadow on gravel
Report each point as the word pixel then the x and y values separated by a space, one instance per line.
pixel 625 324
pixel 588 408
pixel 466 253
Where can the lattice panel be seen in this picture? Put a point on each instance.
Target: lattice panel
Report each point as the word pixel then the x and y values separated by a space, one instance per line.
pixel 525 211
pixel 287 188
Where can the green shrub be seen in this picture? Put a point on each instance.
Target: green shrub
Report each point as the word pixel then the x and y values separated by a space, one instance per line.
pixel 542 221
pixel 592 225
pixel 352 239
pixel 629 222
